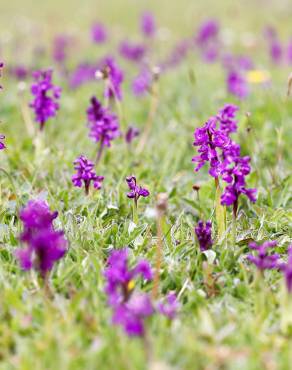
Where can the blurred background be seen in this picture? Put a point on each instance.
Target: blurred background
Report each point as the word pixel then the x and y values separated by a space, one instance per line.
pixel 181 15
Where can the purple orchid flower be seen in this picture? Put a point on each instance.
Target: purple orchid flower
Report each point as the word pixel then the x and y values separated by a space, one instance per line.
pixel 136 191
pixel 204 235
pixel 86 174
pixel 45 246
pixel 46 96
pixel 130 308
pixel 263 260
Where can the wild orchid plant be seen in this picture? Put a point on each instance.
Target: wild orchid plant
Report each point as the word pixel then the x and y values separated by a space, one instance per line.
pixel 216 147
pixel 103 125
pixel 85 174
pixel 132 307
pixel 46 96
pixel 2 137
pixel 135 193
pixel 45 245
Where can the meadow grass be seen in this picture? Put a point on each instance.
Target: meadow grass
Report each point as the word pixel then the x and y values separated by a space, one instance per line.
pixel 229 317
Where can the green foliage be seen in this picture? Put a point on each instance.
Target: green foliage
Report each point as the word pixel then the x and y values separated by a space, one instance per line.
pixel 226 320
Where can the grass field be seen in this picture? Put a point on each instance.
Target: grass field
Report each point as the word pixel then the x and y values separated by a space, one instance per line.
pixel 231 316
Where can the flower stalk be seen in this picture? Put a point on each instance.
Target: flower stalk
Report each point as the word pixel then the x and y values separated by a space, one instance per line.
pixel 220 211
pixel 151 115
pixel 161 208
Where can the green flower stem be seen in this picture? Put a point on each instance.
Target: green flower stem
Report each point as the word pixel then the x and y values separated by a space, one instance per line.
pixel 150 119
pixel 260 298
pixel 135 212
pixel 220 212
pixel 234 218
pixel 286 311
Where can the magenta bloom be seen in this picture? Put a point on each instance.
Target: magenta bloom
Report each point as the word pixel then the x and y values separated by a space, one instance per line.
pixel 227 118
pixel 2 137
pixel 2 145
pixel 287 270
pixel 98 33
pixel 136 191
pixel 131 133
pixel 216 147
pixel 237 84
pixel 131 314
pixel 20 72
pixel 46 96
pixel 177 54
pixel 237 62
pixel 204 235
pixel 208 30
pixel 1 66
pixel 169 306
pixel 274 45
pixel 86 174
pixel 236 66
pixel 276 51
pixel 264 260
pixel 60 46
pixel 211 142
pixel 131 51
pixel 103 125
pixel 82 74
pixel 142 82
pixel 130 308
pixel 289 52
pixel 234 173
pixel 148 26
pixel 45 246
pixel 37 215
pixel 207 40
pixel 114 77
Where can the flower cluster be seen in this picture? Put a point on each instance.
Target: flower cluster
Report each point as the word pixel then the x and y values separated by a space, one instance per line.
pixel 45 245
pixel 275 47
pixel 103 125
pixel 237 84
pixel 289 52
pixel 131 51
pixel 237 67
pixel 2 145
pixel 136 191
pixel 1 66
pixel 204 235
pixel 82 74
pixel 46 96
pixel 2 137
pixel 142 82
pixel 207 40
pixel 223 154
pixel 20 72
pixel 131 133
pixel 60 45
pixel 113 76
pixel 130 308
pixel 236 168
pixel 148 26
pixel 211 142
pixel 177 54
pixel 263 260
pixel 233 61
pixel 287 270
pixel 98 33
pixel 86 174
pixel 170 306
pixel 227 118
